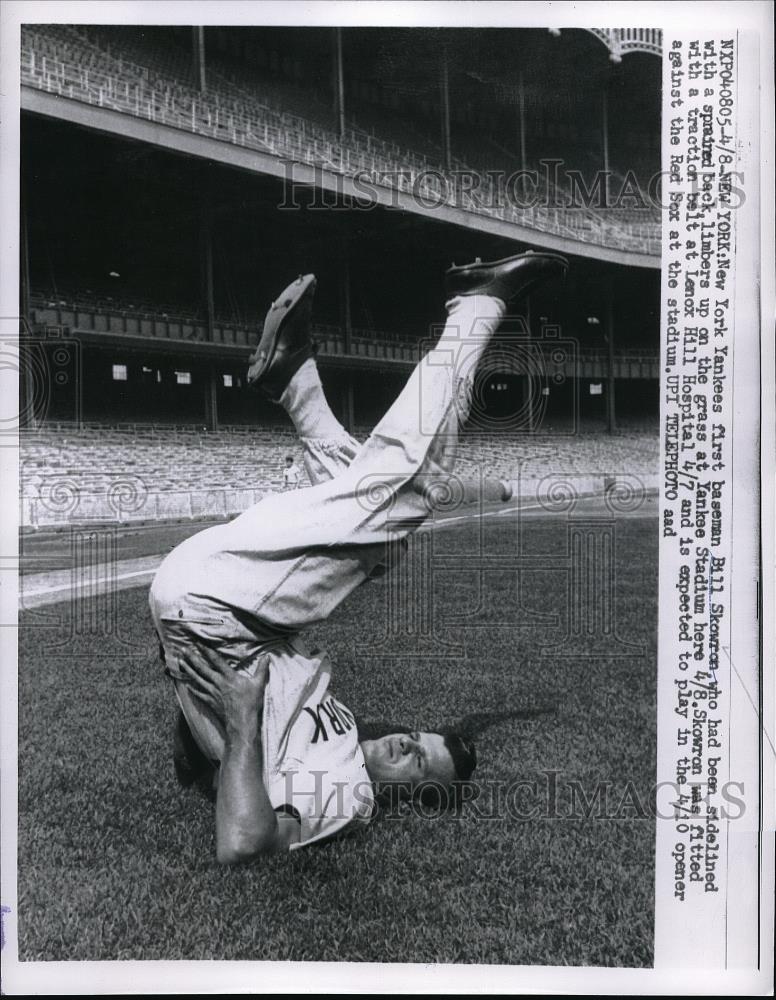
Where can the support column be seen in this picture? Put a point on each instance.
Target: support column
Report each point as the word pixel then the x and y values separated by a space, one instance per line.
pixel 198 54
pixel 26 383
pixel 206 263
pixel 211 401
pixel 528 396
pixel 521 106
pixel 605 140
pixel 611 416
pixel 348 404
pixel 347 324
pixel 346 320
pixel 528 380
pixel 339 71
pixel 444 88
pixel 24 263
pixel 208 299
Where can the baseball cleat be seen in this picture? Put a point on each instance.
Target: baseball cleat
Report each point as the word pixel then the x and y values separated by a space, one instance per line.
pixel 286 341
pixel 509 279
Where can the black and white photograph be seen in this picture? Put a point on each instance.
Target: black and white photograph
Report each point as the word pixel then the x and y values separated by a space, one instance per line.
pixel 371 577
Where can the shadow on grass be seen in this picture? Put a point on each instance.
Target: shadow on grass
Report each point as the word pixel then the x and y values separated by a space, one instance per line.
pixel 471 726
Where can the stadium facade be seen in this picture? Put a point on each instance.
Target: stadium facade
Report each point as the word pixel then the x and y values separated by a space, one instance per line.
pixel 174 178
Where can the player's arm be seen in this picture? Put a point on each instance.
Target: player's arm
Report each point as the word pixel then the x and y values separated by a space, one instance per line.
pixel 246 823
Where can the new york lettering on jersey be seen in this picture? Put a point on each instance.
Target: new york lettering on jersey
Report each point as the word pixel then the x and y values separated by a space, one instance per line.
pixel 330 717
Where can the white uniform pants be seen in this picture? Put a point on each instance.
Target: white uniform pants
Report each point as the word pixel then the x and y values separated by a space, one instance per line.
pixel 291 559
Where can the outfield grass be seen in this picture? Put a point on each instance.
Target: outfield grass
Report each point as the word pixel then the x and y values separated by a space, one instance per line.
pixel 117 862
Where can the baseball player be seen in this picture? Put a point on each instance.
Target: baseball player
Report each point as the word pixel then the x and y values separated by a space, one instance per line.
pixel 230 602
pixel 292 474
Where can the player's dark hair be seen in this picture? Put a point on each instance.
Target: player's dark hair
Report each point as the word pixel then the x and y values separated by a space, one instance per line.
pixel 440 798
pixel 289 458
pixel 464 755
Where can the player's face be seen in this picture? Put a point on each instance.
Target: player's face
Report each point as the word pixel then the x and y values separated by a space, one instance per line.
pixel 409 758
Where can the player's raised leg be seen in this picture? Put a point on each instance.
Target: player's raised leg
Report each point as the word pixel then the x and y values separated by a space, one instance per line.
pixel 283 368
pixel 294 557
pixel 418 436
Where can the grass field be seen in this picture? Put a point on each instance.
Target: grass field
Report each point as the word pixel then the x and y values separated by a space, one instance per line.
pixel 117 862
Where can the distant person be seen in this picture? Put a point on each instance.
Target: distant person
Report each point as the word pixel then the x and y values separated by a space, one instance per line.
pixel 230 602
pixel 292 474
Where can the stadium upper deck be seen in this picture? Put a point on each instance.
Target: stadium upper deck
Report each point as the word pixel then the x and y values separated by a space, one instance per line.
pixel 155 259
pixel 145 75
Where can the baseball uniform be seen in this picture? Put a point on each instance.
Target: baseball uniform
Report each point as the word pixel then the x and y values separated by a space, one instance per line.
pixel 292 476
pixel 249 586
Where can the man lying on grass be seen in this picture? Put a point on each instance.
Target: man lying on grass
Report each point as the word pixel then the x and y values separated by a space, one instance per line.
pixel 230 602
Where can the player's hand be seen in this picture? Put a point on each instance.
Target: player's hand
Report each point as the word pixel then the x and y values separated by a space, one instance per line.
pixel 235 694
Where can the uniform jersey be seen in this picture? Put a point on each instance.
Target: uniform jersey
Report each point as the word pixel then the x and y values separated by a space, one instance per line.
pixel 292 476
pixel 313 761
pixel 313 764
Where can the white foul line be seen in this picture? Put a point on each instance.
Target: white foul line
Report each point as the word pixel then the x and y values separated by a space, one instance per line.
pixel 118 577
pixel 60 588
pixel 86 583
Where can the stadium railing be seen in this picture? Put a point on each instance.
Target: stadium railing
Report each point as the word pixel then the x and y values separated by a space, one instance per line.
pixel 79 314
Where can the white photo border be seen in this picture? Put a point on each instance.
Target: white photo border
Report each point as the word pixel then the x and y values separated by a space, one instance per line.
pixel 218 977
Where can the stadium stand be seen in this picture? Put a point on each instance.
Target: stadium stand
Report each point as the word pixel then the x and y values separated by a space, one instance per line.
pixel 96 470
pixel 134 472
pixel 85 67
